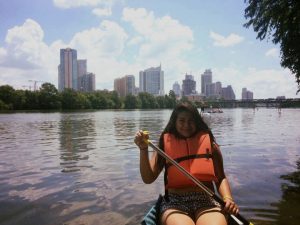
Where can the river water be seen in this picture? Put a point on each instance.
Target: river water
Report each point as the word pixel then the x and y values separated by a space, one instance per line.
pixel 78 168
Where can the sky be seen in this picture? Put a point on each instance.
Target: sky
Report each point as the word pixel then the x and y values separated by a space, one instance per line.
pixel 123 37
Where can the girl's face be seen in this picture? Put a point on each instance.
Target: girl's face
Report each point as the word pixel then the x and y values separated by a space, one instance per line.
pixel 185 124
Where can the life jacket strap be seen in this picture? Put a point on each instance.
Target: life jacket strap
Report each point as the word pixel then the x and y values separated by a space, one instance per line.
pixel 207 155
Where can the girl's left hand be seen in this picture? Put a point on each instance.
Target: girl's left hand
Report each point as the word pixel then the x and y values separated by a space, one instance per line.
pixel 230 206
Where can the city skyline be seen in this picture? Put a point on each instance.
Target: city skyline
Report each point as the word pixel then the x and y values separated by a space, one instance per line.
pixel 73 73
pixel 125 37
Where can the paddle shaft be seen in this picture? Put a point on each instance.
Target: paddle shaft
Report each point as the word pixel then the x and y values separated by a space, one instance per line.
pixel 196 181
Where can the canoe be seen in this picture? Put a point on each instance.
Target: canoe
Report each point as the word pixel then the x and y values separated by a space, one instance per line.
pixel 152 216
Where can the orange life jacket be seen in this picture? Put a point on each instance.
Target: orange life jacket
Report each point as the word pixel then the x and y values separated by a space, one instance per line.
pixel 193 154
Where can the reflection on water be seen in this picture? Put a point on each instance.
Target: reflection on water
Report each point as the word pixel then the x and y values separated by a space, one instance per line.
pixel 76 139
pixel 82 168
pixel 289 205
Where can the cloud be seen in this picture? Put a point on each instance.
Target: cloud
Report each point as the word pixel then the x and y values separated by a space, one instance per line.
pixel 80 3
pixel 102 11
pixel 102 7
pixel 273 52
pixel 107 40
pixel 222 41
pixel 135 40
pixel 264 83
pixel 161 39
pixel 24 47
pixel 25 56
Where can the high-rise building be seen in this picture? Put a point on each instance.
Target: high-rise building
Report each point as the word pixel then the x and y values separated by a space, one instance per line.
pixel 125 85
pixel 81 67
pixel 67 69
pixel 228 93
pixel 206 79
pixel 188 85
pixel 214 90
pixel 81 70
pixel 246 94
pixel 87 82
pixel 152 81
pixel 176 89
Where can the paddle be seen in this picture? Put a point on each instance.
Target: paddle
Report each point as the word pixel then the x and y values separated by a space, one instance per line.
pixel 197 182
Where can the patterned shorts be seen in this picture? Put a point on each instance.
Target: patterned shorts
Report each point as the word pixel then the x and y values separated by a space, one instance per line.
pixel 188 202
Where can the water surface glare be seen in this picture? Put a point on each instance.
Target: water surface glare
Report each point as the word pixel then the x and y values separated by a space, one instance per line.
pixel 83 168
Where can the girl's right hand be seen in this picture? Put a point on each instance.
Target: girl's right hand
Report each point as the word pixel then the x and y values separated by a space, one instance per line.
pixel 139 140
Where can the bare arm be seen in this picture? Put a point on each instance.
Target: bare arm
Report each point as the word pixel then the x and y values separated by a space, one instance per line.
pixel 223 184
pixel 149 168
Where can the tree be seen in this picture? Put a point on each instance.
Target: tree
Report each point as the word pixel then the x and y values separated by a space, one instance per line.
pixel 131 102
pixel 148 101
pixel 70 99
pixel 98 100
pixel 281 20
pixel 49 97
pixel 115 98
pixel 19 100
pixel 171 99
pixel 161 101
pixel 7 95
pixel 31 100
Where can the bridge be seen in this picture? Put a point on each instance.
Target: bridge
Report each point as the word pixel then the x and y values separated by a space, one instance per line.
pixel 268 103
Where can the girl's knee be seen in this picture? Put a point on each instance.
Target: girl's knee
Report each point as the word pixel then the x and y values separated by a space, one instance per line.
pixel 211 217
pixel 175 217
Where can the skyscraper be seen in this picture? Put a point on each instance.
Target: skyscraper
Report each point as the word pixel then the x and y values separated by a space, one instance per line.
pixel 152 81
pixel 188 85
pixel 81 70
pixel 67 69
pixel 246 94
pixel 87 82
pixel 176 89
pixel 206 79
pixel 228 93
pixel 125 85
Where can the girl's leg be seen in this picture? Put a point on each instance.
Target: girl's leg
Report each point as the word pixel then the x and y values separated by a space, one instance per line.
pixel 176 217
pixel 210 216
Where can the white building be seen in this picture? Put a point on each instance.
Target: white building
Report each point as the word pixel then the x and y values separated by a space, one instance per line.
pixel 152 81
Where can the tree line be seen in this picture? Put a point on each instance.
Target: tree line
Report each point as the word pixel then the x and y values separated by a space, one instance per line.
pixel 49 98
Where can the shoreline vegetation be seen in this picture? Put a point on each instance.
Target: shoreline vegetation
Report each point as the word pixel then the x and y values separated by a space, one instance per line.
pixel 50 99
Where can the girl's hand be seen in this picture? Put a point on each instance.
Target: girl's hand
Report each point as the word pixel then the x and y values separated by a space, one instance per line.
pixel 230 206
pixel 139 140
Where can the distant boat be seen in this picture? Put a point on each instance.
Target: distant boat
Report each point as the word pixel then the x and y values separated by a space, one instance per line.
pixel 205 113
pixel 215 111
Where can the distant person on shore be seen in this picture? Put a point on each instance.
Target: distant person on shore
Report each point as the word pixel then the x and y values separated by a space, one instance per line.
pixel 202 108
pixel 188 139
pixel 279 108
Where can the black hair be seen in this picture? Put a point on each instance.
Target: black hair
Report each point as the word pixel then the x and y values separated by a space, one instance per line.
pixel 171 126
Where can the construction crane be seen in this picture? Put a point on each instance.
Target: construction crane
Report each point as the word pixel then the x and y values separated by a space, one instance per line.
pixel 35 83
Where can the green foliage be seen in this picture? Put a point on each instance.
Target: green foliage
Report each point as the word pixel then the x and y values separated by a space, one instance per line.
pixel 7 95
pixel 49 98
pixel 19 99
pixel 3 106
pixel 131 102
pixel 116 100
pixel 148 101
pixel 31 100
pixel 161 101
pixel 171 100
pixel 72 99
pixel 279 19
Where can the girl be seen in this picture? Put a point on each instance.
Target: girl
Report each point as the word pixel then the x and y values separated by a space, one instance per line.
pixel 189 141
